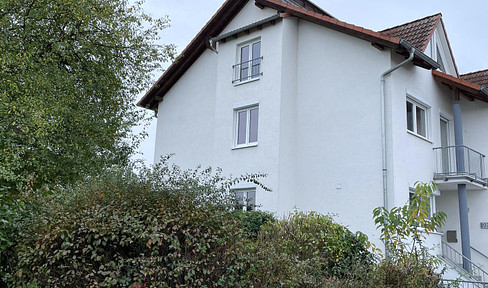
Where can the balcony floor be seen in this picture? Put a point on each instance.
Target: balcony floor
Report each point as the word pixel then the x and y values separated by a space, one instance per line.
pixel 450 182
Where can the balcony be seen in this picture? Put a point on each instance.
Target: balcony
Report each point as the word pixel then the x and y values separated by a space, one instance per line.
pixel 247 71
pixel 449 172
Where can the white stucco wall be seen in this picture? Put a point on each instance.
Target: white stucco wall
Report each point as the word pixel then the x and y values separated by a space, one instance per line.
pixel 319 137
pixel 250 13
pixel 338 143
pixel 186 116
pixel 475 128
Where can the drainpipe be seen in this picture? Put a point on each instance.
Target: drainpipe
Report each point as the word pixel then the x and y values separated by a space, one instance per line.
pixel 383 125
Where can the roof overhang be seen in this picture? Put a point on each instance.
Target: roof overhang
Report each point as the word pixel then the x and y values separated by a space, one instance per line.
pixel 469 90
pixel 231 8
pixel 190 54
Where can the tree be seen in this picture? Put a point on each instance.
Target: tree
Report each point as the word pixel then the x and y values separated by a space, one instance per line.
pixel 404 230
pixel 69 73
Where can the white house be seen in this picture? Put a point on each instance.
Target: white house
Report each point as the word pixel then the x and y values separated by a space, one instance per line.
pixel 342 119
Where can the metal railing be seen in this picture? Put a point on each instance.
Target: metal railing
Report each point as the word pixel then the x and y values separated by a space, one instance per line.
pixel 247 70
pixel 471 167
pixel 460 261
pixel 480 253
pixel 462 284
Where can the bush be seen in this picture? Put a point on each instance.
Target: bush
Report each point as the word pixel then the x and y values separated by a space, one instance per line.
pixel 119 230
pixel 305 250
pixel 253 220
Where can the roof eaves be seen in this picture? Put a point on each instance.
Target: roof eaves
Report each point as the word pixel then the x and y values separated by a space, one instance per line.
pixel 484 90
pixel 471 89
pixel 193 50
pixel 431 64
pixel 333 23
pixel 245 28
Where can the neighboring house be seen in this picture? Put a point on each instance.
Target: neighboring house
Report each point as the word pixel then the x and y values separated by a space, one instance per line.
pixel 284 88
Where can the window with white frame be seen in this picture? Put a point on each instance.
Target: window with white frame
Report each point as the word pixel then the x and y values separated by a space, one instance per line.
pixel 417 120
pixel 245 199
pixel 249 62
pixel 246 126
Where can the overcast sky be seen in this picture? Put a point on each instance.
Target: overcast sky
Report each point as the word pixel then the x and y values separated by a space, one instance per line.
pixel 465 23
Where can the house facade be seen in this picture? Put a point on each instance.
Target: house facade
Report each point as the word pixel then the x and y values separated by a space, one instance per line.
pixel 341 118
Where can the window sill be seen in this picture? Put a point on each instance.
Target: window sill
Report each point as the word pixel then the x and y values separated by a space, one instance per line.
pixel 245 146
pixel 237 83
pixel 419 136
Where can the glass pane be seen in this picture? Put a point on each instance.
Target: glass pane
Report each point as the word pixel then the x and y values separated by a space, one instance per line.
pixel 251 200
pixel 410 116
pixel 244 62
pixel 445 143
pixel 240 199
pixel 256 62
pixel 439 60
pixel 421 125
pixel 253 129
pixel 241 127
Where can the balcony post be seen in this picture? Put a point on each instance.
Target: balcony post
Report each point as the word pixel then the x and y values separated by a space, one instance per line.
pixel 462 194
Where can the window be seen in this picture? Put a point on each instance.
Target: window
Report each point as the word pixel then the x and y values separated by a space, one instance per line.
pixel 416 118
pixel 411 198
pixel 249 62
pixel 246 199
pixel 439 60
pixel 246 131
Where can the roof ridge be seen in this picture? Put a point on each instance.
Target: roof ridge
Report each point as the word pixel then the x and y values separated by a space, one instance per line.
pixel 474 72
pixel 411 22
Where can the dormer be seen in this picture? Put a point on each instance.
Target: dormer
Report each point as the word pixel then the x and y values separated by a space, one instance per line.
pixel 429 36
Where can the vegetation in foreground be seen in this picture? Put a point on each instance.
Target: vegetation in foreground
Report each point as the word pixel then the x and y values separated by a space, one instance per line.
pixel 170 228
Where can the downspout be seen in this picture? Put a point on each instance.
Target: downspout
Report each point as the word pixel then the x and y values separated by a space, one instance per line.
pixel 383 125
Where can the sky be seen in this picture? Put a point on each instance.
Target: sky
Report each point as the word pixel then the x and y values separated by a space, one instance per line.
pixel 464 21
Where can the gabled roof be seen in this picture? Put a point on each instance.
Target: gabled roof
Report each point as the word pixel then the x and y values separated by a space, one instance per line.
pixel 478 77
pixel 199 44
pixel 298 8
pixel 417 33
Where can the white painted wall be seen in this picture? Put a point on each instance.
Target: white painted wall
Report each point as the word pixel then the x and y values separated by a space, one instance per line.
pixel 319 123
pixel 338 144
pixel 186 116
pixel 250 13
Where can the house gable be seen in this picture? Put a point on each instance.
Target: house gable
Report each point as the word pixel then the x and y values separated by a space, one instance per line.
pixel 439 49
pixel 249 14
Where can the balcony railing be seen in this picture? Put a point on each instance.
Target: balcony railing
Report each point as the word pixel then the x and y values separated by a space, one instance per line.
pixel 462 284
pixel 472 166
pixel 247 70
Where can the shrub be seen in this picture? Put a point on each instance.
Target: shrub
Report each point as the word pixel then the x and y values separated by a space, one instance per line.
pixel 305 250
pixel 403 230
pixel 253 220
pixel 121 229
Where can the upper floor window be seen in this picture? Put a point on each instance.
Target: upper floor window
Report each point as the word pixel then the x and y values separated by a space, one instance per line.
pixel 246 131
pixel 249 66
pixel 417 118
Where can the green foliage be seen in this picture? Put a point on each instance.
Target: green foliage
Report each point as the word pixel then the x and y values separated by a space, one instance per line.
pixel 69 73
pixel 304 250
pixel 122 229
pixel 403 230
pixel 253 220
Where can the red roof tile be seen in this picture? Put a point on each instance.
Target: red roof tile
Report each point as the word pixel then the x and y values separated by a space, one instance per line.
pixel 417 32
pixel 478 77
pixel 307 5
